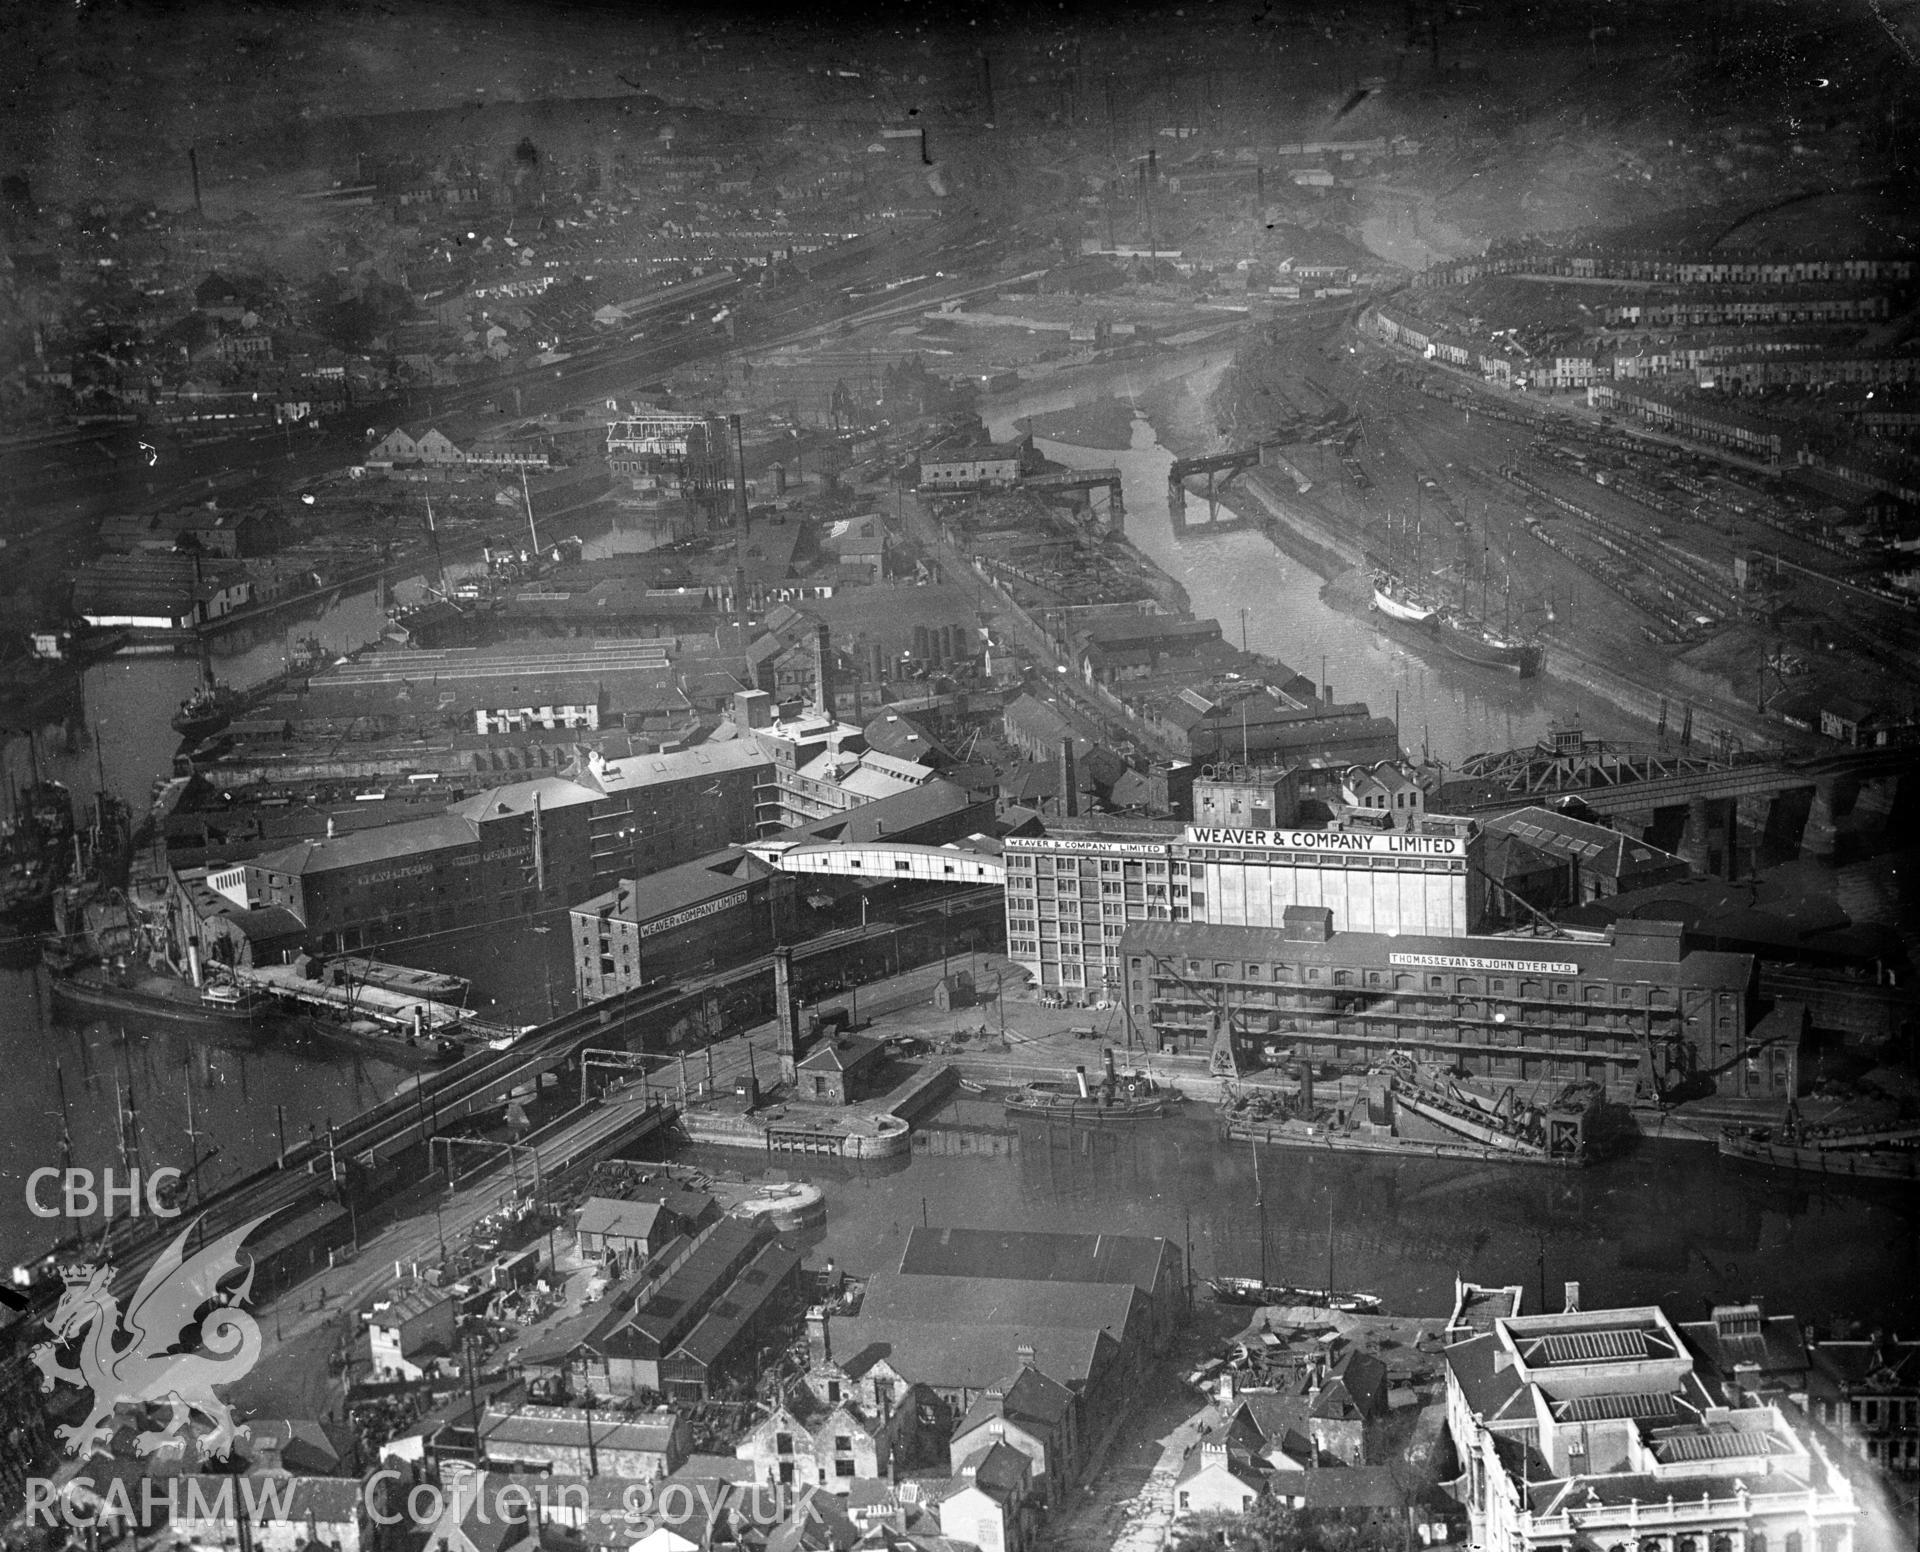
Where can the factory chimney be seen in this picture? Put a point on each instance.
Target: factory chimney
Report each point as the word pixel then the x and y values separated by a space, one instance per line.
pixel 193 166
pixel 1069 781
pixel 739 481
pixel 822 671
pixel 787 1012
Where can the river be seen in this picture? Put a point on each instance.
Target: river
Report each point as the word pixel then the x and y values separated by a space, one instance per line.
pixel 1446 708
pixel 1670 1222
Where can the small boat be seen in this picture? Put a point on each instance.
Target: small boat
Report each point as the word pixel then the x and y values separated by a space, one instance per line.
pixel 151 995
pixel 207 711
pixel 1756 1145
pixel 384 1043
pixel 1396 601
pixel 306 656
pixel 1250 1290
pixel 968 1086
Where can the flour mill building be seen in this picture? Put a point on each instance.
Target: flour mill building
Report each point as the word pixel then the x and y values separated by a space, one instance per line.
pixel 1072 894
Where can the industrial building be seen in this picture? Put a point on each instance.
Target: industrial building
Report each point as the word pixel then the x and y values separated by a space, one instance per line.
pixel 983 466
pixel 159 591
pixel 1261 728
pixel 723 907
pixel 722 1292
pixel 505 854
pixel 1640 1012
pixel 1072 894
pixel 667 808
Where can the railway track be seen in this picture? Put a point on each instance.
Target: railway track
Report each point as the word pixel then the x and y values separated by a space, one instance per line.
pixel 306 1174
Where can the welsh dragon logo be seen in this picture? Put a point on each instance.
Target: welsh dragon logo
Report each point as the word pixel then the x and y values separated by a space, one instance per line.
pixel 183 1334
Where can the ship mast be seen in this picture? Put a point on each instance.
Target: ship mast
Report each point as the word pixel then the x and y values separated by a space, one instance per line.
pixel 66 1120
pixel 433 534
pixel 526 497
pixel 193 1135
pixel 1329 1245
pixel 1260 1205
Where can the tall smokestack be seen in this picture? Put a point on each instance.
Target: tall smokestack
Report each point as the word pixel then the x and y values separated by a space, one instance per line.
pixel 1069 781
pixel 193 166
pixel 739 481
pixel 822 671
pixel 787 1037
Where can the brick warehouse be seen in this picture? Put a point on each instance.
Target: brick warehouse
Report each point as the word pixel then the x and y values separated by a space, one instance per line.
pixel 504 854
pixel 1639 1012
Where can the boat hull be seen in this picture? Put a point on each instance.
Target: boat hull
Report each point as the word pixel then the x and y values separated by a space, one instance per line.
pixel 1251 1291
pixel 1471 645
pixel 395 1049
pixel 1848 1163
pixel 1085 1112
pixel 1400 609
pixel 101 996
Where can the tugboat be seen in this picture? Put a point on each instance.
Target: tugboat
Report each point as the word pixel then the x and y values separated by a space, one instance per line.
pixel 207 711
pixel 1130 1096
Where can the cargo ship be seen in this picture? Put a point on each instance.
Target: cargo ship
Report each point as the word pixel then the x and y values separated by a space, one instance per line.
pixel 1467 634
pixel 103 989
pixel 1895 1158
pixel 1474 641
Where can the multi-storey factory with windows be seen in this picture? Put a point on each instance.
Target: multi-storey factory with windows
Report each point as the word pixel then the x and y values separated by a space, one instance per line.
pixel 1072 894
pixel 1641 1011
